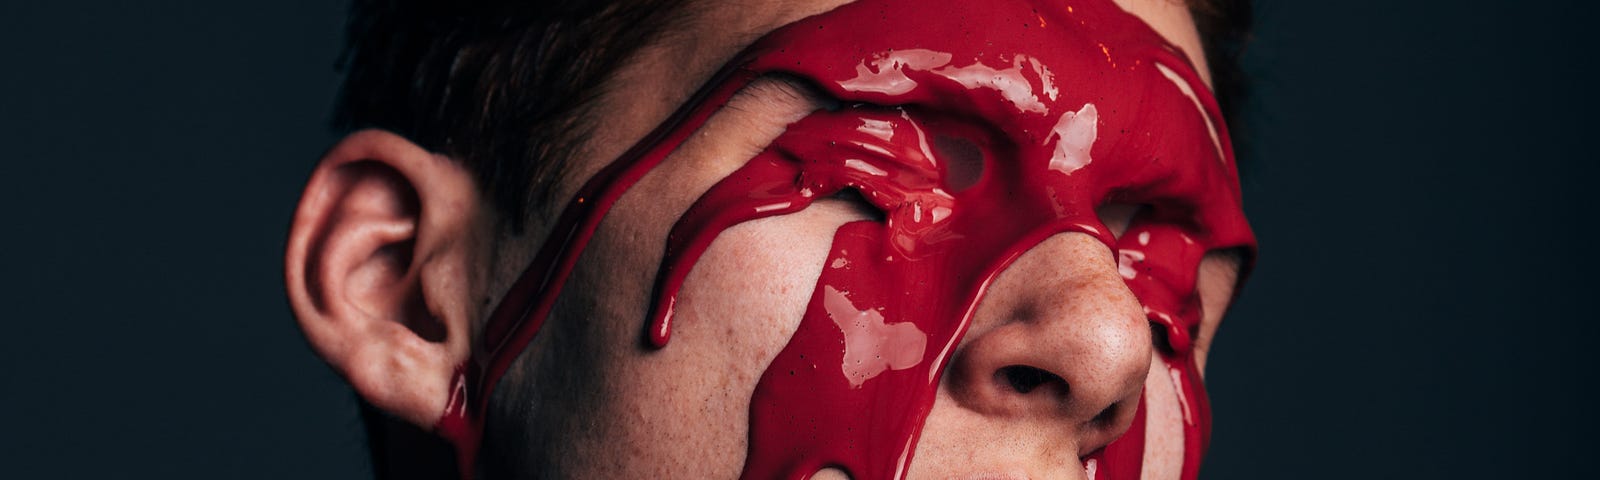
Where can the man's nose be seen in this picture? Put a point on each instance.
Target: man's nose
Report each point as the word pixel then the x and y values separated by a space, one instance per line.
pixel 1057 339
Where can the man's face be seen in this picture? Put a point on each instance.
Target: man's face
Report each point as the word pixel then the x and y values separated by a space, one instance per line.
pixel 1049 371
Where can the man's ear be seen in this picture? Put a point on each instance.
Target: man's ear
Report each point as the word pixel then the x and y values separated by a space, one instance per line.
pixel 380 268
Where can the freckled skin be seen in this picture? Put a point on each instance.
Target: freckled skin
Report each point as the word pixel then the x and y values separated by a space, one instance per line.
pixel 1027 231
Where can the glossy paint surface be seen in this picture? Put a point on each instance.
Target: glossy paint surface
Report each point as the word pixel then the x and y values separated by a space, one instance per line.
pixel 977 130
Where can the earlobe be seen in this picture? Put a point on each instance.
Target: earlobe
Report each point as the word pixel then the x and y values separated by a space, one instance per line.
pixel 377 270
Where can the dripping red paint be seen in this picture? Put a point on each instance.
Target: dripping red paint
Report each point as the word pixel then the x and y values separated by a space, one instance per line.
pixel 1070 105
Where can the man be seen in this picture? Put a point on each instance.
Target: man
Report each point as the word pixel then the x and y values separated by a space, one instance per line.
pixel 885 238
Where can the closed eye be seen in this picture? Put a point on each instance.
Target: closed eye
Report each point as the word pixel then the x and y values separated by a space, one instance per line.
pixel 851 201
pixel 1118 216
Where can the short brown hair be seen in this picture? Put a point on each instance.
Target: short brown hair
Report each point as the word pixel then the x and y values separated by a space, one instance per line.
pixel 500 86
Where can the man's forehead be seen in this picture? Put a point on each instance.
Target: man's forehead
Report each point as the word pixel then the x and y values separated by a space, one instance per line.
pixel 726 25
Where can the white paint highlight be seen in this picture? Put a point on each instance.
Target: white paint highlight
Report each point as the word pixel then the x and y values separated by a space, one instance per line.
pixel 887 74
pixel 1183 86
pixel 1075 134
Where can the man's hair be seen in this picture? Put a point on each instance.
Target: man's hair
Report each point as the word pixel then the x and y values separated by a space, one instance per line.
pixel 500 86
pixel 505 87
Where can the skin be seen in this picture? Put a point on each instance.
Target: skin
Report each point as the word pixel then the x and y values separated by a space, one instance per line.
pixel 394 259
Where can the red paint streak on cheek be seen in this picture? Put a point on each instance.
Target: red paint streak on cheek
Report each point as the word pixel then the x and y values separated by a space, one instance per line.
pixel 1094 109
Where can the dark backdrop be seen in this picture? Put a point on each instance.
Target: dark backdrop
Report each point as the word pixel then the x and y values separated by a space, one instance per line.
pixel 1419 178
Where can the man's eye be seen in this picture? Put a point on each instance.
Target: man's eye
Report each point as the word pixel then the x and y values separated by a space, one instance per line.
pixel 1118 216
pixel 961 161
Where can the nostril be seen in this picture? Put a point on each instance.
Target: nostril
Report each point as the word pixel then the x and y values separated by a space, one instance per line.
pixel 1108 417
pixel 1025 379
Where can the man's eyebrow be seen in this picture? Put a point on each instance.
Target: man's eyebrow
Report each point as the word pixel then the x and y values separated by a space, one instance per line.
pixel 789 88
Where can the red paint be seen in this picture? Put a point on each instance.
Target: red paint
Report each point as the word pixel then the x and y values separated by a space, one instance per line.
pixel 1072 105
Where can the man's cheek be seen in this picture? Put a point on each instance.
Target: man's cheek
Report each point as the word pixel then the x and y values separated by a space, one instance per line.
pixel 685 409
pixel 747 293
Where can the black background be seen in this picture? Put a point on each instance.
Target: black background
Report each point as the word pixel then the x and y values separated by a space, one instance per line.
pixel 1420 177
